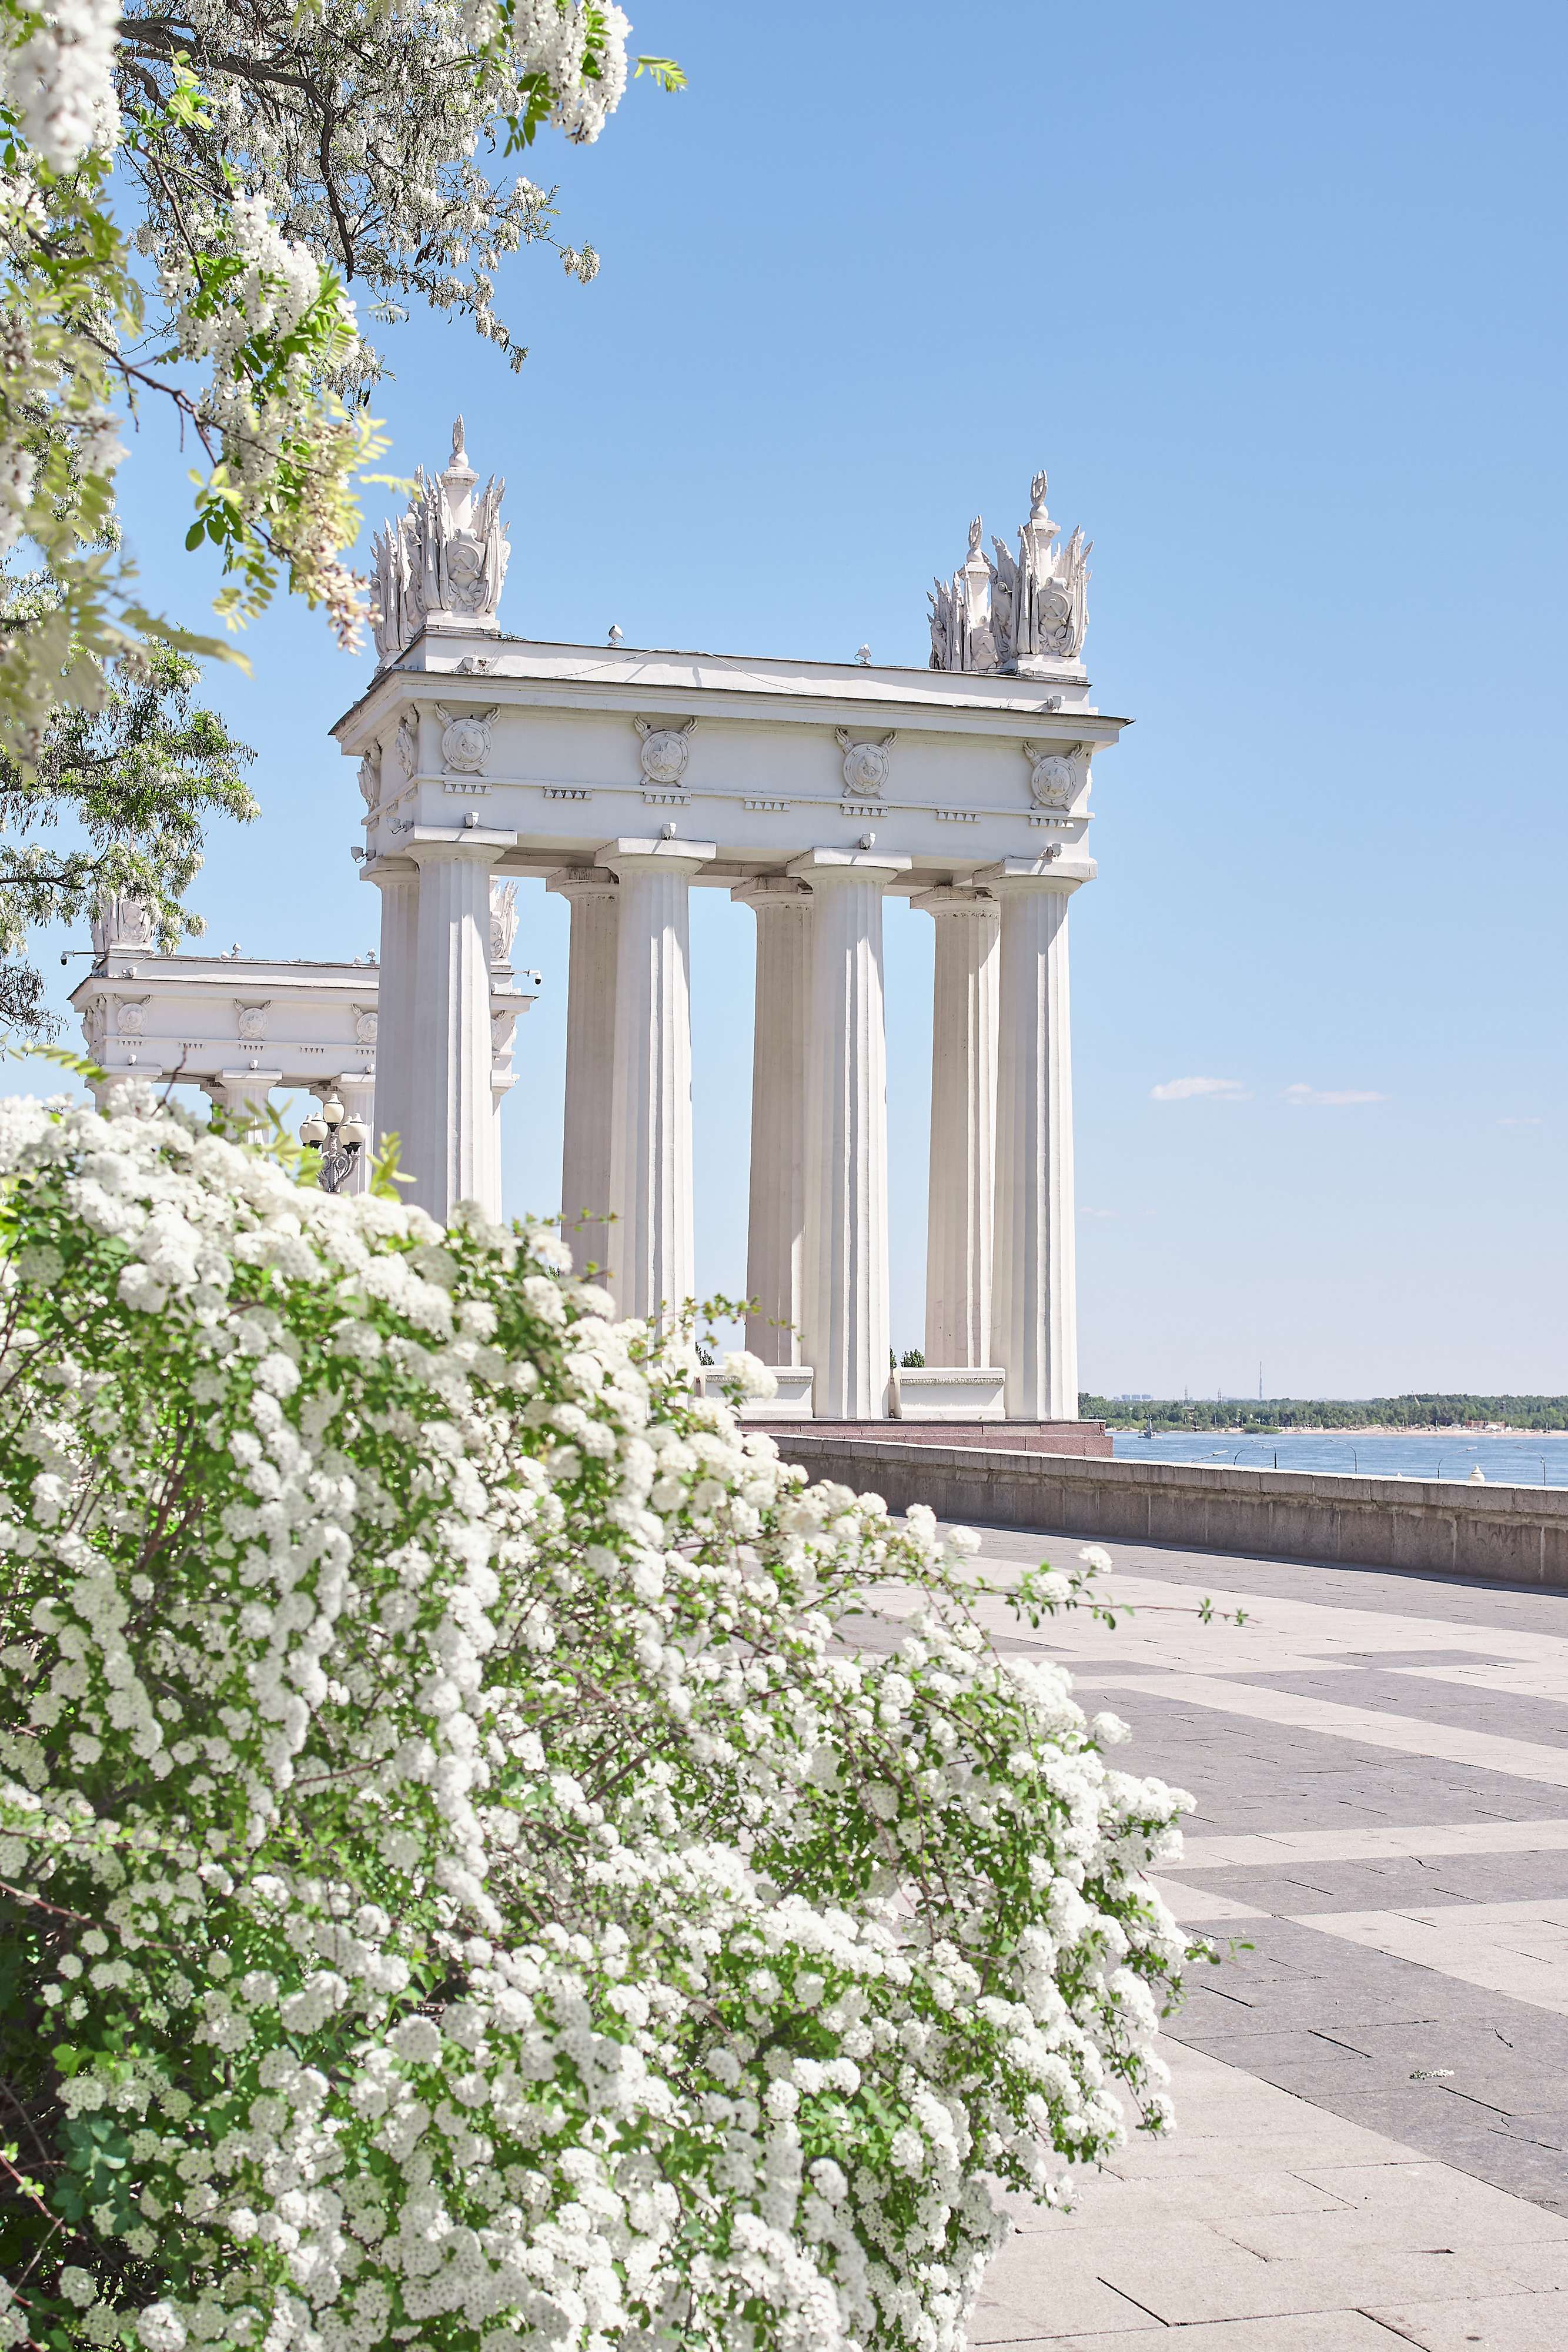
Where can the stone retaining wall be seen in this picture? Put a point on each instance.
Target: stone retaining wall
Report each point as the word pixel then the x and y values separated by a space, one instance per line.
pixel 997 1436
pixel 1516 1534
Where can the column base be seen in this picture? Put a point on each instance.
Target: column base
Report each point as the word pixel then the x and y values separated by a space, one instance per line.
pixel 792 1403
pixel 947 1392
pixel 1081 1437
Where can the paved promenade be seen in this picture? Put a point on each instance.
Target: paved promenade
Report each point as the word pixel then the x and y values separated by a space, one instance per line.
pixel 1373 2141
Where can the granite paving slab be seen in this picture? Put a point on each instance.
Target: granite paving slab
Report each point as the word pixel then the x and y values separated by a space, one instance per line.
pixel 1372 2081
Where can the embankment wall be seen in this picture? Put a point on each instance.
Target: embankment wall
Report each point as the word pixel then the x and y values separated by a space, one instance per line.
pixel 1518 1535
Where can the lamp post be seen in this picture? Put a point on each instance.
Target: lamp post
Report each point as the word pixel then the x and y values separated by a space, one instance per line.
pixel 338 1139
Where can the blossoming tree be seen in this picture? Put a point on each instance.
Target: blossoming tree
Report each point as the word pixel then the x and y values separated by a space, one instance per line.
pixel 134 779
pixel 491 1858
pixel 274 157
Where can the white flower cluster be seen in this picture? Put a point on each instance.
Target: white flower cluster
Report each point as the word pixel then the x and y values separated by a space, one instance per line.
pixel 18 472
pixel 489 1885
pixel 279 284
pixel 276 154
pixel 58 79
pixel 554 38
pixel 414 91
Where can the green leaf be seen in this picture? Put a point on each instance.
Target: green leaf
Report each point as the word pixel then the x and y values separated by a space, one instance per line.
pixel 664 72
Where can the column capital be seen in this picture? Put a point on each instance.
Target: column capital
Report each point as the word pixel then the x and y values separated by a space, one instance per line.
pixel 770 890
pixel 575 882
pixel 1042 873
pixel 641 855
pixel 383 869
pixel 957 901
pixel 431 844
pixel 820 866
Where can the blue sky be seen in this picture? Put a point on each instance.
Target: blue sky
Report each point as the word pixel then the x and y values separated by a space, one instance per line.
pixel 1278 299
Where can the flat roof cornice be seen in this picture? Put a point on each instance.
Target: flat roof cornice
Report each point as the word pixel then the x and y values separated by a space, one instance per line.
pixel 599 678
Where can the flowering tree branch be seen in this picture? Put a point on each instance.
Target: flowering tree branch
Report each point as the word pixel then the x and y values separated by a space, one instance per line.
pixel 274 156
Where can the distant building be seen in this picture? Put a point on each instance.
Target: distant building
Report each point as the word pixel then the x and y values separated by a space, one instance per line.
pixel 1134 1396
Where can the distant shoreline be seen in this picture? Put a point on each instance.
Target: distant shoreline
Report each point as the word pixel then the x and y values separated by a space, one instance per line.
pixel 1336 1428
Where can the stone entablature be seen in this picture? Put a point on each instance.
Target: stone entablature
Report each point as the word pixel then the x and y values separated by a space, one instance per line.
pixel 242 1027
pixel 760 755
pixel 195 1017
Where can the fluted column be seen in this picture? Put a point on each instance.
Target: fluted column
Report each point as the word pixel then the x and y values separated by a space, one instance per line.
pixel 585 1175
pixel 1034 1309
pixel 242 1093
pixel 454 1153
pixel 963 1127
pixel 399 885
pixel 846 1285
pixel 654 1248
pixel 775 1232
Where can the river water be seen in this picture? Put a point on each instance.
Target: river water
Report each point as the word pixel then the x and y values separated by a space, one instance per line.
pixel 1429 1454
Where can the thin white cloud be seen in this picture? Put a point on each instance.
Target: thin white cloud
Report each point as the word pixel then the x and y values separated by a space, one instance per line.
pixel 1084 1212
pixel 1300 1093
pixel 1519 1122
pixel 1186 1089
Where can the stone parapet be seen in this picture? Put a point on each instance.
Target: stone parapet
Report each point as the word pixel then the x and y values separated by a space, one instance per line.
pixel 1072 1437
pixel 1516 1535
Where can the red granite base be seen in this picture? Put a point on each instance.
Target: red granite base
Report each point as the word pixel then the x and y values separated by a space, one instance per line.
pixel 1082 1437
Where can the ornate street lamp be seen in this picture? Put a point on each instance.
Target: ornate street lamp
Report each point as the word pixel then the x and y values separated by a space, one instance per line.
pixel 339 1139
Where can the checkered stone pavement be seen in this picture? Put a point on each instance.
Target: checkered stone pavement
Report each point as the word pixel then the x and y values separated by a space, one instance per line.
pixel 1372 2085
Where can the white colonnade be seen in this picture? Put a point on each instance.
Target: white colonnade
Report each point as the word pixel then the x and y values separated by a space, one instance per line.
pixel 622 777
pixel 1001 1318
pixel 817 1267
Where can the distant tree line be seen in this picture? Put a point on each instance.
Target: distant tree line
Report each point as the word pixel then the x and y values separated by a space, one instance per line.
pixel 1265 1416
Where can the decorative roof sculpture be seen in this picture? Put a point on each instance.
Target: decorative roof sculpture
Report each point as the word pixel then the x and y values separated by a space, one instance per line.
pixel 123 920
pixel 1019 618
pixel 444 559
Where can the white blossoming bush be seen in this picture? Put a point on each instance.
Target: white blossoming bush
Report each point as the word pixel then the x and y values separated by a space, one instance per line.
pixel 465 1884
